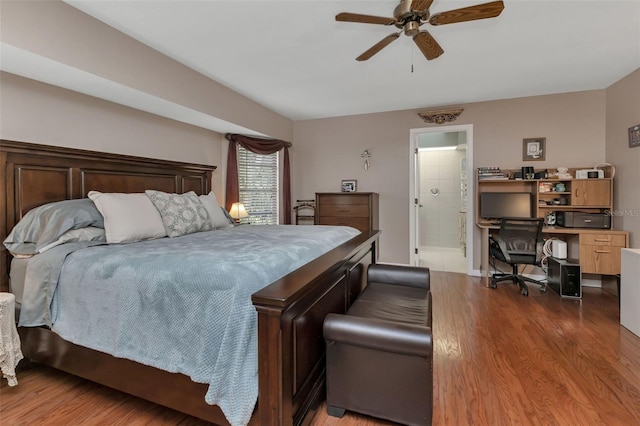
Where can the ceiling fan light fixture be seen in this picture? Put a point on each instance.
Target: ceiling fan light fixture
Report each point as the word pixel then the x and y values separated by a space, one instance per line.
pixel 441 116
pixel 411 28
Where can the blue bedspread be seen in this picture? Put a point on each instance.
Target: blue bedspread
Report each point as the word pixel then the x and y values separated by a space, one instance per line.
pixel 180 304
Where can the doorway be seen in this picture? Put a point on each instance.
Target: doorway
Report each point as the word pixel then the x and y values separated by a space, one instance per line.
pixel 441 195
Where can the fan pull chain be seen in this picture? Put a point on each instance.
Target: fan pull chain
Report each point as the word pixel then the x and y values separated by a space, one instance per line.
pixel 412 58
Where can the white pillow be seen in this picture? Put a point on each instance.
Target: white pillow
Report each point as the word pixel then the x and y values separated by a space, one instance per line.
pixel 181 214
pixel 128 217
pixel 218 218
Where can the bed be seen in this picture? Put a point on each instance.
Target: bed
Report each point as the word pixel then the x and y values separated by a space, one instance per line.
pixel 290 310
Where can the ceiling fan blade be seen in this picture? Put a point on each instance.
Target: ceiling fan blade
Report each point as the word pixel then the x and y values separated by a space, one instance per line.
pixel 428 45
pixel 471 13
pixel 421 5
pixel 364 19
pixel 378 47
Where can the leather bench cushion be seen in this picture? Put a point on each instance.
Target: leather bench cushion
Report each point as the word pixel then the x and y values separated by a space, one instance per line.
pixel 396 303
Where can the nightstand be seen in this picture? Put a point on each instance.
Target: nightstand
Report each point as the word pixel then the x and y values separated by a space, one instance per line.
pixel 10 353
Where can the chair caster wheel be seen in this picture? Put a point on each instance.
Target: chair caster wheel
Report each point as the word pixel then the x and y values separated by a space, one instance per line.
pixel 525 292
pixel 543 289
pixel 493 284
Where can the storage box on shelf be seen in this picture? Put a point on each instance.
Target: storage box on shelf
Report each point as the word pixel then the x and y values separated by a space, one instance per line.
pixel 491 173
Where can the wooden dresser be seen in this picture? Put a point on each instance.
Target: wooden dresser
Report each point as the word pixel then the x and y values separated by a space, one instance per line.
pixel 356 209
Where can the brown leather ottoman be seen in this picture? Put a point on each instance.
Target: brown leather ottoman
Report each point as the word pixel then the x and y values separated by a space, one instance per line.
pixel 380 354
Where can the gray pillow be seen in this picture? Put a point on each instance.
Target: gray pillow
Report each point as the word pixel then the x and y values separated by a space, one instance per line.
pixel 181 213
pixel 43 225
pixel 228 216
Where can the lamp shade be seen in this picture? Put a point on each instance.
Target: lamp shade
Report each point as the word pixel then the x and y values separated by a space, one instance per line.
pixel 238 211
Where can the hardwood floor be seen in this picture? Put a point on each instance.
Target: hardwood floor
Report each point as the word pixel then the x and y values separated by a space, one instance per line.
pixel 499 358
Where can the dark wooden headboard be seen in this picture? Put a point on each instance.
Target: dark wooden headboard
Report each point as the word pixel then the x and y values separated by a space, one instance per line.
pixel 35 174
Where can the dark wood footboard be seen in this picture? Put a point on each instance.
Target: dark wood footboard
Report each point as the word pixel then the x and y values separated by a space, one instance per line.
pixel 291 312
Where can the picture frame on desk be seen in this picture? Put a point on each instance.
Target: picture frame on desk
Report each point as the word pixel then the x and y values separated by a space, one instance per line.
pixel 533 149
pixel 634 136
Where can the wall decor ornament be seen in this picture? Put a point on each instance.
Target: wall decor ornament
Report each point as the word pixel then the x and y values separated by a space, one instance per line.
pixel 441 116
pixel 634 136
pixel 366 154
pixel 533 149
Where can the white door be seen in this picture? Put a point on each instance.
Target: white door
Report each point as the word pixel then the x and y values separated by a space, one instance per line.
pixel 417 205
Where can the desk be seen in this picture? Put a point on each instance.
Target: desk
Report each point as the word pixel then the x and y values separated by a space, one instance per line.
pixel 599 248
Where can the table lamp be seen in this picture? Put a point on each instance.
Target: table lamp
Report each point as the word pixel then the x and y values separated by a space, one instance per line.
pixel 238 211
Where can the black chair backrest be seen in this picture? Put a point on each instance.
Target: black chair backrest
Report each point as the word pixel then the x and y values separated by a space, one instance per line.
pixel 521 236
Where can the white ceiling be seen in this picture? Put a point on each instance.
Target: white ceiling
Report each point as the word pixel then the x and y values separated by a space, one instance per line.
pixel 294 58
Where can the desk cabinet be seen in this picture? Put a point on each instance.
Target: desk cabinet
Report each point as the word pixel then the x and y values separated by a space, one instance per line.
pixel 356 209
pixel 586 195
pixel 600 253
pixel 591 192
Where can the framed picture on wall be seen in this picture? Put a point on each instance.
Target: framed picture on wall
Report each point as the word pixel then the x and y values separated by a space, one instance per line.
pixel 634 136
pixel 349 185
pixel 533 149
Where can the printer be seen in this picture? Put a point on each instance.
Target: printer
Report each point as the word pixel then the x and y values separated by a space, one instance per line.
pixel 583 220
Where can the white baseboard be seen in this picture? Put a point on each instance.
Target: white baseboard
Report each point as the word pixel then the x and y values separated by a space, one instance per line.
pixel 589 280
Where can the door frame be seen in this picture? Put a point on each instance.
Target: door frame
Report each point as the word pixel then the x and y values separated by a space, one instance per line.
pixel 413 217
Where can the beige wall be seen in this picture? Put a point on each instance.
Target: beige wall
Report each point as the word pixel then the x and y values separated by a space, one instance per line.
pixel 623 111
pixel 58 32
pixel 325 151
pixel 40 113
pixel 54 33
pixel 328 150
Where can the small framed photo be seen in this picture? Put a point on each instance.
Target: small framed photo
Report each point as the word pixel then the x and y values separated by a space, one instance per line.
pixel 349 185
pixel 533 149
pixel 634 136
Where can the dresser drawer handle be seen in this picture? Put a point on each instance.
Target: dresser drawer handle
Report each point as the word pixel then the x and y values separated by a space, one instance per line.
pixel 602 240
pixel 343 211
pixel 602 251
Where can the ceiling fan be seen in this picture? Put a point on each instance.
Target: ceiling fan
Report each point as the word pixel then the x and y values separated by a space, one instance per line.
pixel 409 15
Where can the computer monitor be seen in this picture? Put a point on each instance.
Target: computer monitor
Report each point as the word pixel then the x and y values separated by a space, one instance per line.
pixel 496 205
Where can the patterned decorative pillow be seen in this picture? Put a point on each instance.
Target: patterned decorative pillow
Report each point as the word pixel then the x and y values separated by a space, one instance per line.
pixel 181 213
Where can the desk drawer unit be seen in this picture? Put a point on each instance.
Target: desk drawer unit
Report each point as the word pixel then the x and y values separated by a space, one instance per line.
pixel 600 253
pixel 358 209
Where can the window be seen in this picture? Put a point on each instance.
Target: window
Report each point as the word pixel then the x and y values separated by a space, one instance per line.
pixel 258 179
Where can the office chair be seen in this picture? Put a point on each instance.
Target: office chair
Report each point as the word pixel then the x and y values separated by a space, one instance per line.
pixel 519 242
